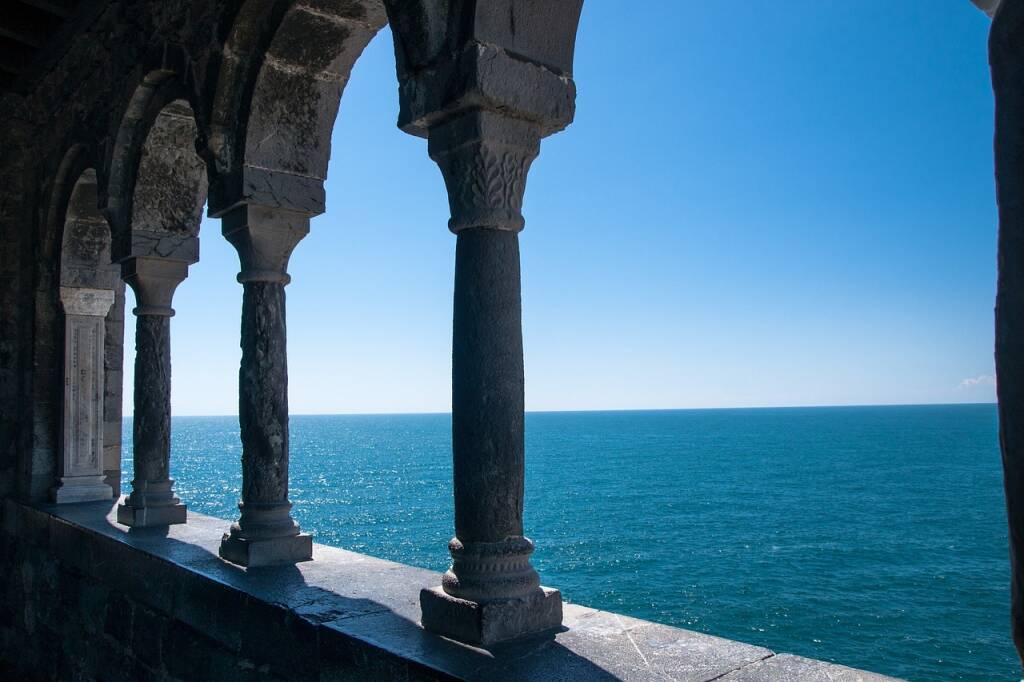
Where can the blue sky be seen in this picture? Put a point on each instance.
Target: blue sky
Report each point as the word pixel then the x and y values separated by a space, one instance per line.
pixel 758 204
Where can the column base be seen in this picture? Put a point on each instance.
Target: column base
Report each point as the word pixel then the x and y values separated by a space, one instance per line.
pixel 145 517
pixel 88 489
pixel 490 622
pixel 288 549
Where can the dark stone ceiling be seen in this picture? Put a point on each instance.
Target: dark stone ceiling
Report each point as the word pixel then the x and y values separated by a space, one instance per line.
pixel 28 31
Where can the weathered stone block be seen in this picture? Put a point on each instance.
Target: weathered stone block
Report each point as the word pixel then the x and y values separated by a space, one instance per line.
pixel 267 552
pixel 146 638
pixel 76 493
pixel 118 622
pixel 146 517
pixel 493 621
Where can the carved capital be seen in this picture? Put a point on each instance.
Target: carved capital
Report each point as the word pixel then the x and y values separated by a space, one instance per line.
pixel 154 281
pixel 484 158
pixel 264 238
pixel 83 301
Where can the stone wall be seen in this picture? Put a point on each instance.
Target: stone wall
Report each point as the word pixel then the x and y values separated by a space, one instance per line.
pixel 16 299
pixel 60 621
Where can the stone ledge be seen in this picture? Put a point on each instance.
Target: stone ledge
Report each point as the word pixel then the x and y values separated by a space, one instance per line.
pixel 349 616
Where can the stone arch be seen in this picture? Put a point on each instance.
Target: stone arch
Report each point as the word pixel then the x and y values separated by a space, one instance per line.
pixel 157 184
pixel 284 70
pixel 85 240
pixel 170 183
pixel 155 196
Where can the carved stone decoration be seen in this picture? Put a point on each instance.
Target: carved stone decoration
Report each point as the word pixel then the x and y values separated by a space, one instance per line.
pixel 265 532
pixel 82 446
pixel 152 501
pixel 484 158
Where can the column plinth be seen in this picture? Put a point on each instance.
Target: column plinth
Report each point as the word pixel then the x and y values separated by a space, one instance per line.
pixel 491 592
pixel 265 533
pixel 152 501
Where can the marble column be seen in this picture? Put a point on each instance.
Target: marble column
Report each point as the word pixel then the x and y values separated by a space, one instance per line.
pixel 265 532
pixel 82 445
pixel 491 592
pixel 152 501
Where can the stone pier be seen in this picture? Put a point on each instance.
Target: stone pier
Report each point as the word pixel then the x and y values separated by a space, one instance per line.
pixel 265 532
pixel 484 105
pixel 152 501
pixel 82 476
pixel 491 593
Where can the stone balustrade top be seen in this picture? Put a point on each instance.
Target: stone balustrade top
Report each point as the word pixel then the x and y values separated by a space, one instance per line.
pixel 345 609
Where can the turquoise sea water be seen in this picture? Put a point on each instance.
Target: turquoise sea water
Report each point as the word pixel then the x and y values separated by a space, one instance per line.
pixel 870 536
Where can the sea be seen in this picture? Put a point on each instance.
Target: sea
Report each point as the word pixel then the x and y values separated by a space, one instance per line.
pixel 874 537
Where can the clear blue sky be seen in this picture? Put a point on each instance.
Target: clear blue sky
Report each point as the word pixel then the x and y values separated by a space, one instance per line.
pixel 759 203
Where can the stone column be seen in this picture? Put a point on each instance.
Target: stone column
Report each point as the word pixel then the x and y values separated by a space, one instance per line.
pixel 82 446
pixel 265 533
pixel 152 501
pixel 491 592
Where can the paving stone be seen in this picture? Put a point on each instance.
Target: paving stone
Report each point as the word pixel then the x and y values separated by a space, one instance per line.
pixel 789 668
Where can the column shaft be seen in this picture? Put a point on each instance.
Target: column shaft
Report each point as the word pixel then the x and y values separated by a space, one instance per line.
pixel 151 424
pixel 263 412
pixel 487 387
pixel 152 501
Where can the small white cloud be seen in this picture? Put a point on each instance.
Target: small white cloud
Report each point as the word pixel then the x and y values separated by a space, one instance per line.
pixel 980 380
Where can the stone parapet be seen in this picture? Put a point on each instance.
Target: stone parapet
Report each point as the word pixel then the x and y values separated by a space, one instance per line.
pixel 86 599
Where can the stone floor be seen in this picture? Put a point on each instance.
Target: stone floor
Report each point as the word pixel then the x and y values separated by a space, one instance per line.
pixel 375 602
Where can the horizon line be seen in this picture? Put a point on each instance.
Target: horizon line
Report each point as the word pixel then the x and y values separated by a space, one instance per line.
pixel 623 409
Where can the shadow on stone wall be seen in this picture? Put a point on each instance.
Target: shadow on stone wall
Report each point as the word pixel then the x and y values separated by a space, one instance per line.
pixel 87 598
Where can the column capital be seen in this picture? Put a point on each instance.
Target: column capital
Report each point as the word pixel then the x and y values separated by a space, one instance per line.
pixel 264 238
pixel 85 301
pixel 484 157
pixel 154 281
